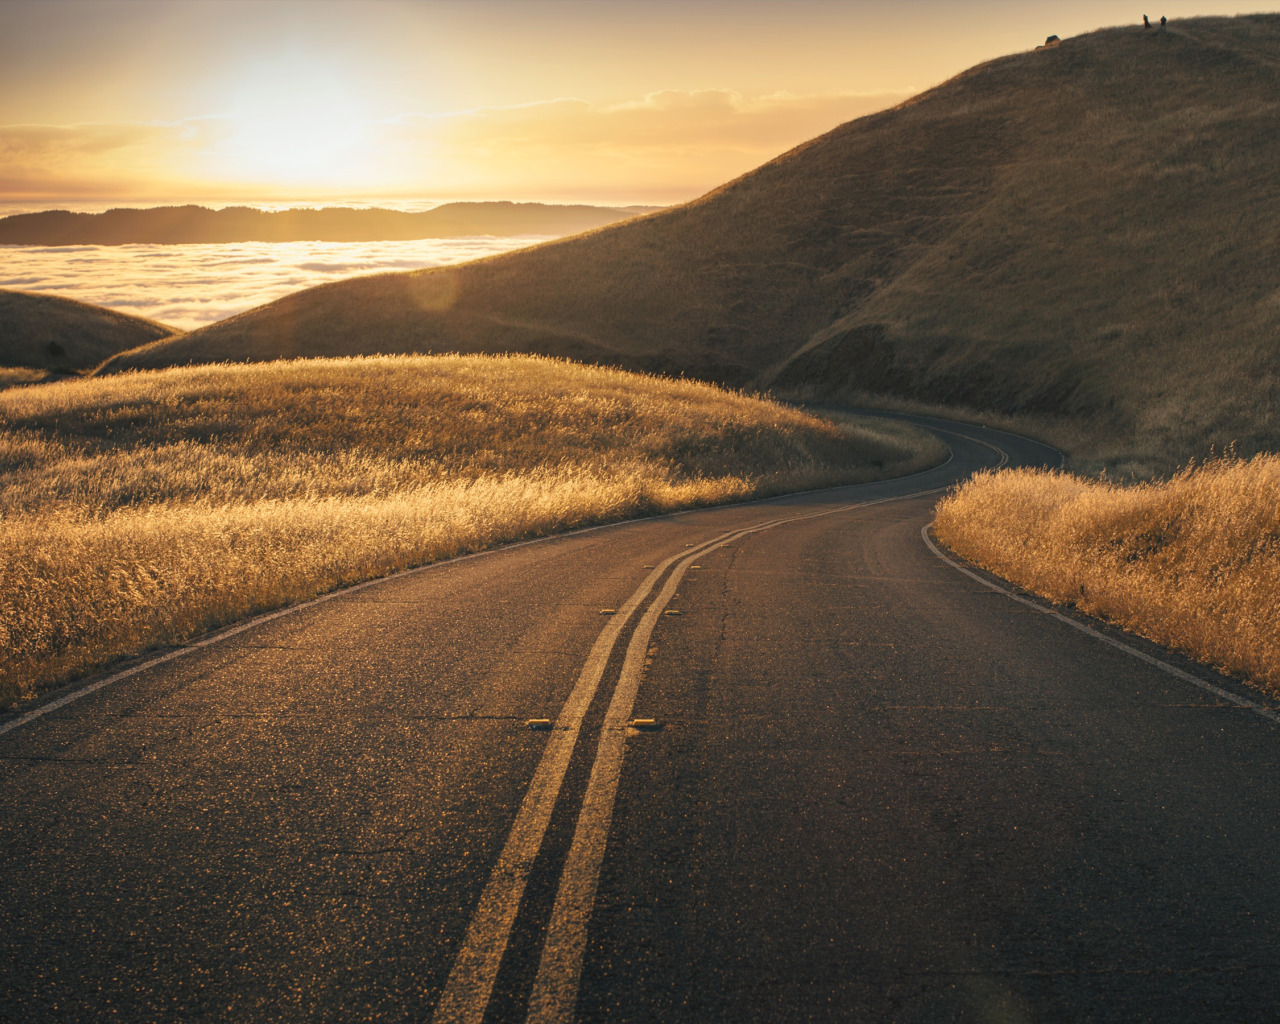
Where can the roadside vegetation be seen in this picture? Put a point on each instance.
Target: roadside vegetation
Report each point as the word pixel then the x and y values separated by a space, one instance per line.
pixel 1192 562
pixel 146 508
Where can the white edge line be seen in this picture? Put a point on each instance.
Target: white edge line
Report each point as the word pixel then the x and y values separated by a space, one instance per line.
pixel 467 990
pixel 555 987
pixel 469 985
pixel 1120 645
pixel 227 632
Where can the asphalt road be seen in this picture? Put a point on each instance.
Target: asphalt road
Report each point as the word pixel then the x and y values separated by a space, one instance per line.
pixel 874 789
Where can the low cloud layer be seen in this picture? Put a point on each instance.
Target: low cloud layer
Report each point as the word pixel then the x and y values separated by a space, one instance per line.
pixel 187 286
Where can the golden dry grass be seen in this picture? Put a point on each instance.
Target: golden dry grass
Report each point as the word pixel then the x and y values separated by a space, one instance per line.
pixel 144 509
pixel 16 376
pixel 1192 562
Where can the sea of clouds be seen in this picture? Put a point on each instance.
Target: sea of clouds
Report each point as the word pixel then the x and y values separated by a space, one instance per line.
pixel 187 286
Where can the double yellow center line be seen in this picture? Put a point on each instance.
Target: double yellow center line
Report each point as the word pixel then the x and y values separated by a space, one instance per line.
pixel 555 989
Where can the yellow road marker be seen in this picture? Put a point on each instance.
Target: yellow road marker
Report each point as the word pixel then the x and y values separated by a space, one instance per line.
pixel 671 611
pixel 607 611
pixel 539 723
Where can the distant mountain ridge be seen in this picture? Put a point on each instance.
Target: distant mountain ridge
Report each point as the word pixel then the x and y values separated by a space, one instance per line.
pixel 163 225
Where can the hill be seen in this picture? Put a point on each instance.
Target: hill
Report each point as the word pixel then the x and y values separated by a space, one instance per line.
pixel 1081 237
pixel 184 224
pixel 45 332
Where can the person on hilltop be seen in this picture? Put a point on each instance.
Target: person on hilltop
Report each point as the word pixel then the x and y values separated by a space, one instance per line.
pixel 1145 23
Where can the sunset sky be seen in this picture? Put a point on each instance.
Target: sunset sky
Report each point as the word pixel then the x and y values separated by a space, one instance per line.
pixel 620 102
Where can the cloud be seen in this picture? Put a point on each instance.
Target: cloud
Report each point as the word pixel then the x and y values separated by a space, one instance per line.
pixel 25 142
pixel 189 285
pixel 680 141
pixel 715 124
pixel 670 144
pixel 88 158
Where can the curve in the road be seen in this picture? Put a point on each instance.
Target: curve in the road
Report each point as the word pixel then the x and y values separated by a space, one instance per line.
pixel 466 994
pixel 364 828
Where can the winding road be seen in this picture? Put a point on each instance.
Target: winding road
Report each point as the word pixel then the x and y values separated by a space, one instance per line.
pixel 780 761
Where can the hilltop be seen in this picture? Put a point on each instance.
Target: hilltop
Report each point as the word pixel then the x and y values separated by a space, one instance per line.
pixel 45 332
pixel 189 224
pixel 1082 237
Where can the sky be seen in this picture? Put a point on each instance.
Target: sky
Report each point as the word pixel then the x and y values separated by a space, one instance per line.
pixel 602 101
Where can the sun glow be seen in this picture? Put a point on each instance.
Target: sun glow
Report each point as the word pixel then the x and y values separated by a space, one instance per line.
pixel 298 121
pixel 631 101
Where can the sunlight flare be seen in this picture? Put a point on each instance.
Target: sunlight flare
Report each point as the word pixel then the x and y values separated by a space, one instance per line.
pixel 301 122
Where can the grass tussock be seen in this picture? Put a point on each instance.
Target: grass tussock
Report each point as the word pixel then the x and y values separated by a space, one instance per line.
pixel 1192 562
pixel 144 509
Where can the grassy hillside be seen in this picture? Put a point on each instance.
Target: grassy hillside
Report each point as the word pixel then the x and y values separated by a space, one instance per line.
pixel 44 332
pixel 1085 234
pixel 142 509
pixel 1192 562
